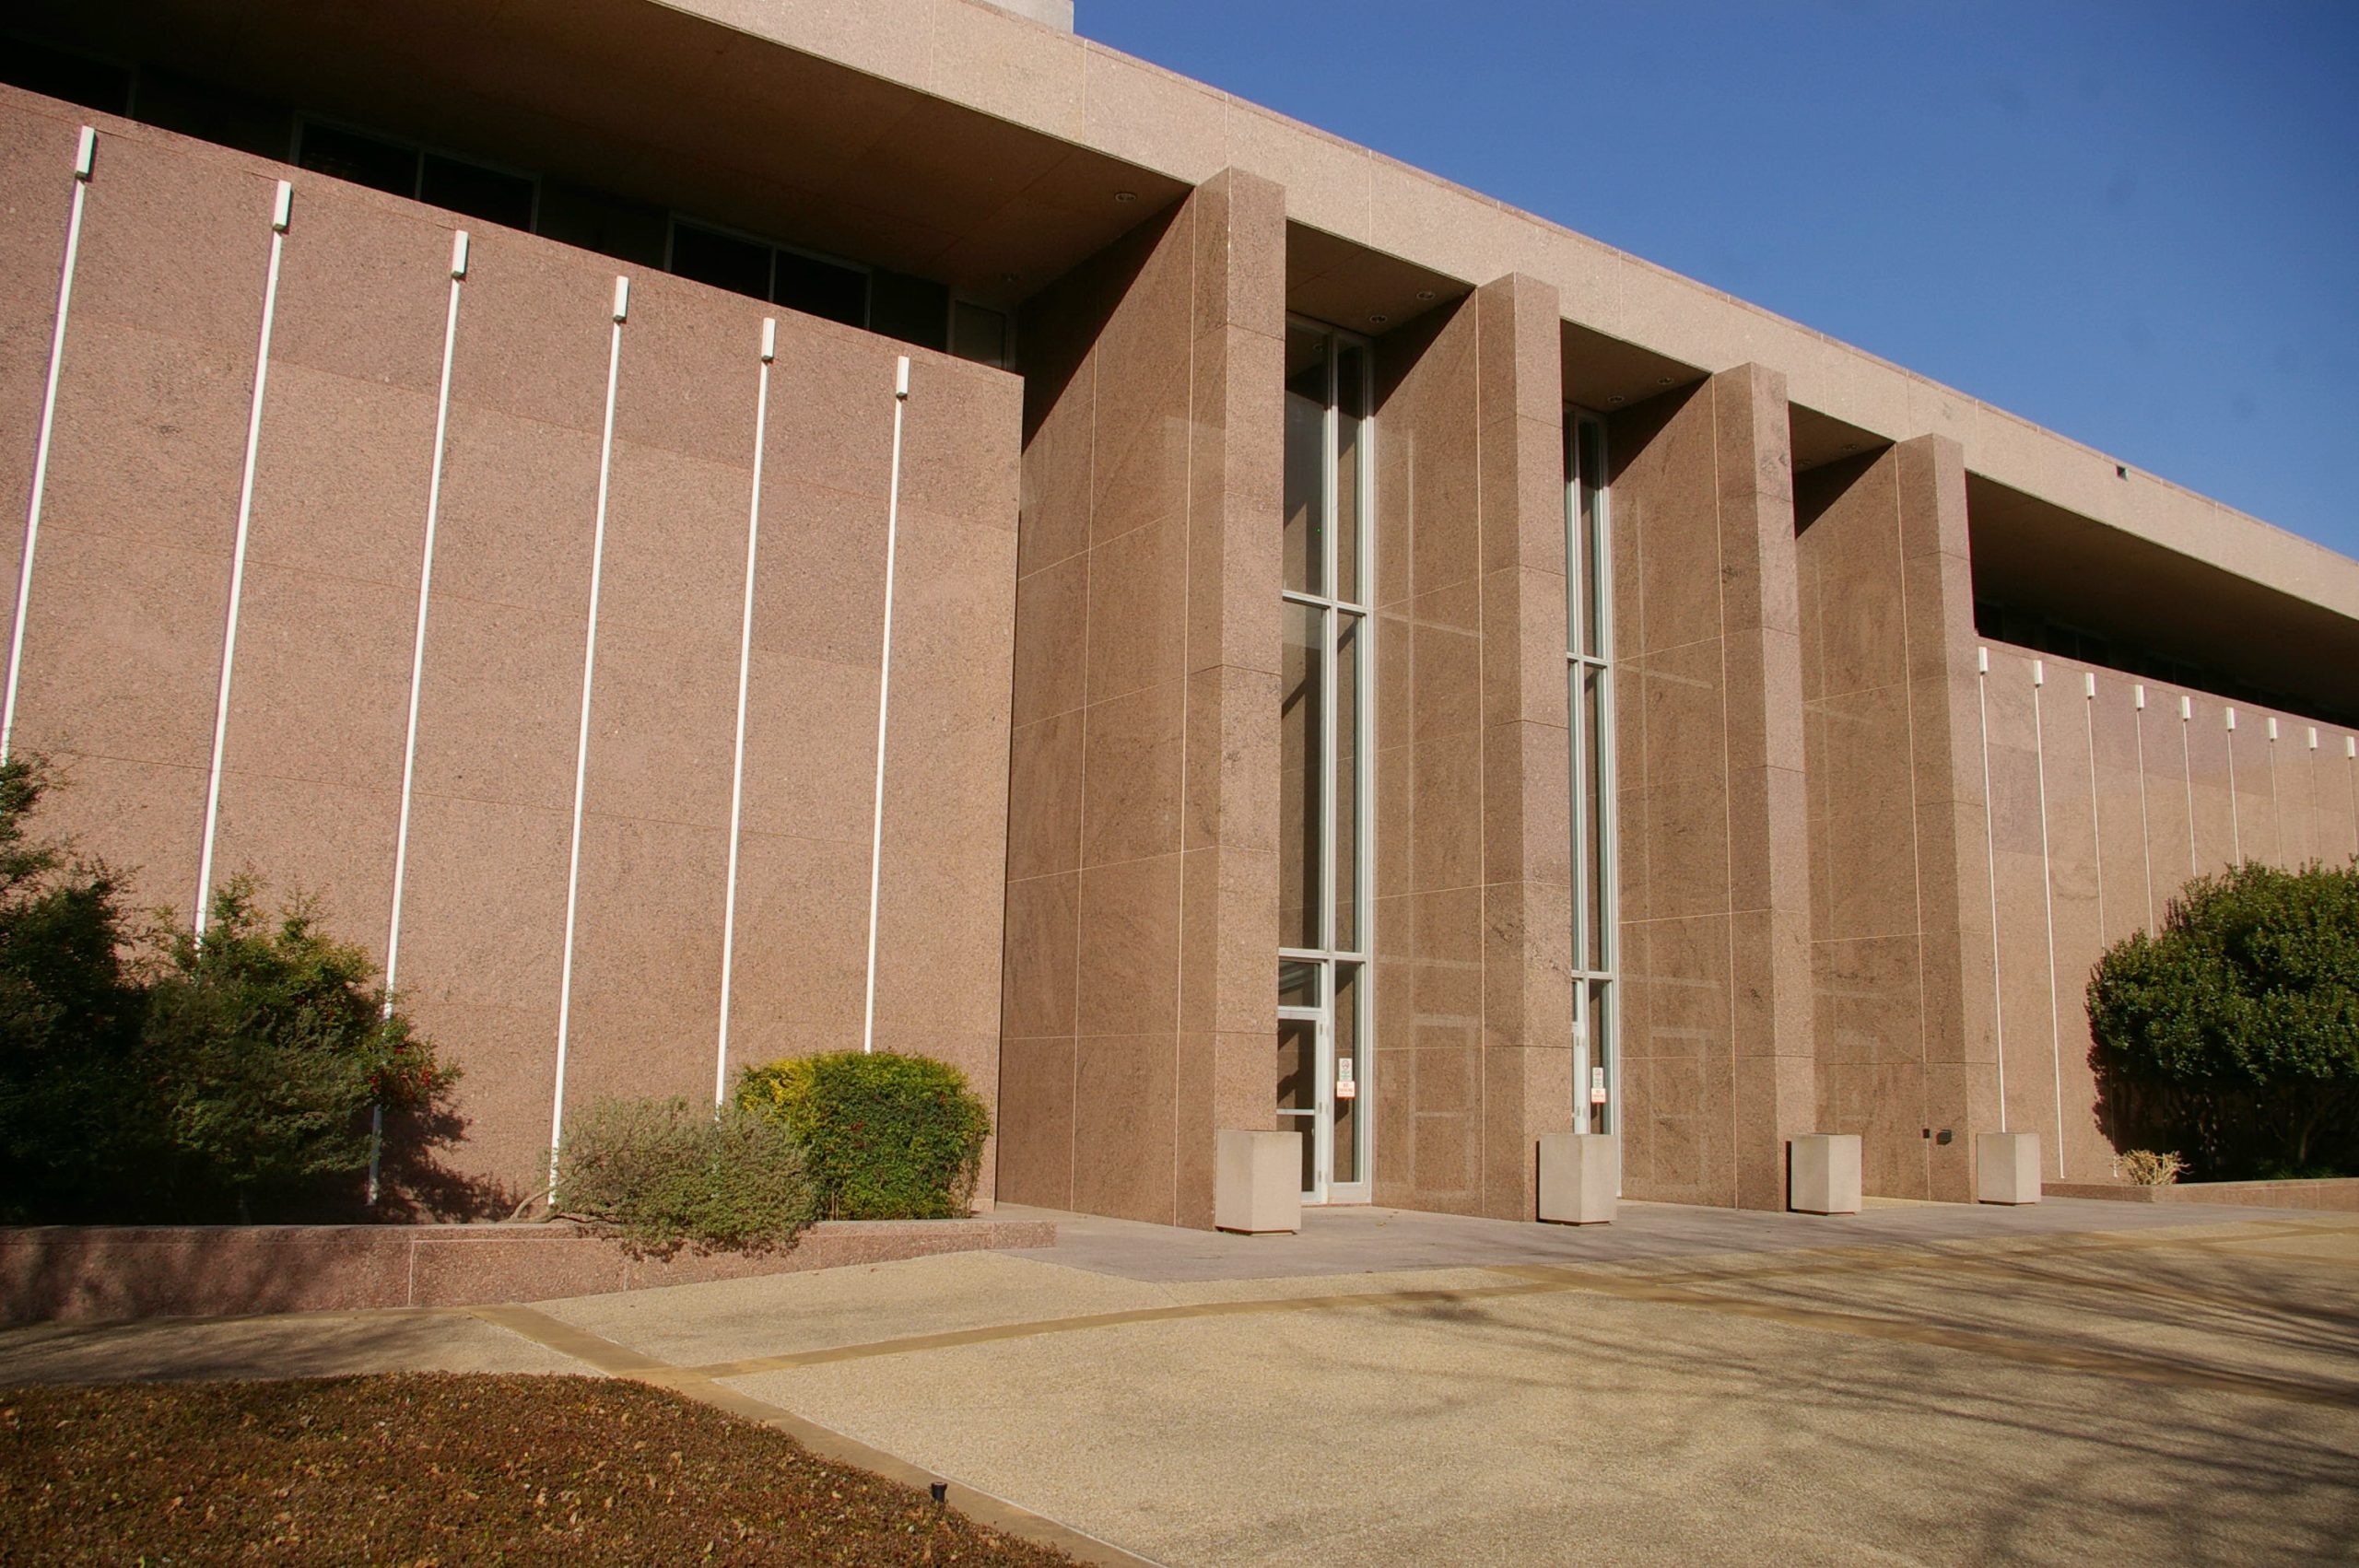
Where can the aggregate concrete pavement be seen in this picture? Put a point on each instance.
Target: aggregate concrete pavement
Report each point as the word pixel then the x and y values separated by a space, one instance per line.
pixel 2076 1382
pixel 294 1344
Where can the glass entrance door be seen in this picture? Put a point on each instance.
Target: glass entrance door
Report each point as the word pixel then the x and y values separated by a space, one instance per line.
pixel 1322 1075
pixel 1326 786
pixel 1302 1047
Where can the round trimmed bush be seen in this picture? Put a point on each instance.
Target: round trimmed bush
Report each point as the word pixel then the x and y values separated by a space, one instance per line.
pixel 884 1136
pixel 2233 1032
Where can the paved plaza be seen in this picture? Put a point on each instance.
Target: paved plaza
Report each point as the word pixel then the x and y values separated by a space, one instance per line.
pixel 2078 1381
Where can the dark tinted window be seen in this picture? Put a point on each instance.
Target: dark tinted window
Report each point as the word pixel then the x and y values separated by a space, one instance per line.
pixel 979 334
pixel 475 190
pixel 822 288
pixel 364 161
pixel 722 260
pixel 52 73
pixel 215 115
pixel 909 309
pixel 628 231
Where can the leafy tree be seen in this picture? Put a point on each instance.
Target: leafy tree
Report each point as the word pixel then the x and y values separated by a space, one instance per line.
pixel 263 1047
pixel 70 1141
pixel 2233 1033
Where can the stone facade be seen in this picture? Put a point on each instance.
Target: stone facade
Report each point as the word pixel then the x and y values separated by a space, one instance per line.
pixel 1867 852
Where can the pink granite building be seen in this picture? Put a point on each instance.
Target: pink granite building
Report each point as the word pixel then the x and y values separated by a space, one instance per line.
pixel 719 529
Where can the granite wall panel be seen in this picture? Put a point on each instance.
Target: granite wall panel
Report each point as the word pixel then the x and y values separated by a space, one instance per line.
pixel 1903 1012
pixel 2117 850
pixel 312 760
pixel 141 508
pixel 1473 811
pixel 1141 925
pixel 37 187
pixel 499 694
pixel 1714 816
pixel 130 605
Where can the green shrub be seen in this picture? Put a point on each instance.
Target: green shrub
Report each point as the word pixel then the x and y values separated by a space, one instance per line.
pixel 71 1137
pixel 204 1079
pixel 664 1172
pixel 887 1137
pixel 263 1050
pixel 2233 1033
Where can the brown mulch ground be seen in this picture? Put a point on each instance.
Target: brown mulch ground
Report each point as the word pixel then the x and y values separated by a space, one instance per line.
pixel 436 1469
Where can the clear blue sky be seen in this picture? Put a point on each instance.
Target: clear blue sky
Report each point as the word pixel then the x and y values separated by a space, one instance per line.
pixel 2137 224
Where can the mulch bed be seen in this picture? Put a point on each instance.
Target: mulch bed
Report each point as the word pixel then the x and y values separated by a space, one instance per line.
pixel 426 1468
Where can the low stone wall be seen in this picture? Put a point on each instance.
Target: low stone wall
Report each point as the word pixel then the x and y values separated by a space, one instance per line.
pixel 2339 1193
pixel 58 1273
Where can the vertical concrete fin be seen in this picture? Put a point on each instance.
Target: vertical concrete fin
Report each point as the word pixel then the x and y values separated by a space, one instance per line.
pixel 1718 1028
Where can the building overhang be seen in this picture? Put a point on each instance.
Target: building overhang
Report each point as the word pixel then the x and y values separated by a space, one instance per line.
pixel 953 140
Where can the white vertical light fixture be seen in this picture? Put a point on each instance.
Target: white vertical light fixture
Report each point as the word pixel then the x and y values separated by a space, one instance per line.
pixel 745 673
pixel 2048 898
pixel 2187 769
pixel 417 674
pixel 86 152
pixel 2145 824
pixel 2235 816
pixel 2317 840
pixel 884 693
pixel 281 217
pixel 2096 824
pixel 1991 854
pixel 621 313
pixel 425 590
pixel 2276 811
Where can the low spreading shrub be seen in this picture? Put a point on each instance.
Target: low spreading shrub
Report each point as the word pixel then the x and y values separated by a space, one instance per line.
pixel 887 1137
pixel 2143 1167
pixel 2233 1033
pixel 664 1172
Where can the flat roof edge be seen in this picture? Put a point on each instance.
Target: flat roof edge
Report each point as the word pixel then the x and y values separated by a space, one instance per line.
pixel 1081 91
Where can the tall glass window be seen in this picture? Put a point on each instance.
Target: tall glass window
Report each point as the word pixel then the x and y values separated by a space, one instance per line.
pixel 1325 778
pixel 1589 660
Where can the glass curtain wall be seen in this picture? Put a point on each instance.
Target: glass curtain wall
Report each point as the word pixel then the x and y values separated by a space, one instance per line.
pixel 1588 658
pixel 1325 781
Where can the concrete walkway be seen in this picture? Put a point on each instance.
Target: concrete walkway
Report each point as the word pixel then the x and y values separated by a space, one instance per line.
pixel 2077 1382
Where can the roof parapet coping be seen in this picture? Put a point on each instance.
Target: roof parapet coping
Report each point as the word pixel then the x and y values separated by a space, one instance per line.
pixel 1057 14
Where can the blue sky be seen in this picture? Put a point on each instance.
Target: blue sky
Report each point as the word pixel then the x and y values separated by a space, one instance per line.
pixel 2135 224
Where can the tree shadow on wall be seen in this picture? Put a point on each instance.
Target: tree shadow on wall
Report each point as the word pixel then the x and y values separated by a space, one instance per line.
pixel 417 1181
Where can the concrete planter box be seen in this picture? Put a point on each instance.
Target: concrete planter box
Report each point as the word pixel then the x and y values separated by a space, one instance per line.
pixel 1580 1178
pixel 2006 1167
pixel 1257 1182
pixel 102 1273
pixel 1822 1174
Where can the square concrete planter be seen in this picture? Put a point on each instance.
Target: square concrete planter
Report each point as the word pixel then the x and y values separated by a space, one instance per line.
pixel 1580 1174
pixel 1257 1182
pixel 1822 1174
pixel 2006 1167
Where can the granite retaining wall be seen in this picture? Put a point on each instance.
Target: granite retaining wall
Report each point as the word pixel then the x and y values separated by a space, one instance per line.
pixel 2340 1193
pixel 57 1272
